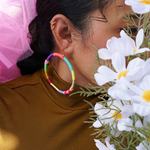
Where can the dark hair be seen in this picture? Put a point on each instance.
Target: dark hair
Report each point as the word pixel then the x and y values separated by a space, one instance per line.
pixel 42 41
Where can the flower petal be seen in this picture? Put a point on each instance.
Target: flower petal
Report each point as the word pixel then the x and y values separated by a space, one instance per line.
pixel 100 109
pixel 107 72
pixel 139 124
pixel 114 133
pixel 131 86
pixel 139 38
pixel 110 147
pixel 145 84
pixel 140 8
pixel 132 42
pixel 105 54
pixel 126 49
pixel 141 50
pixel 100 79
pixel 124 123
pixel 100 145
pixel 118 62
pixel 142 110
pixel 112 91
pixel 104 75
pixel 146 67
pixel 137 98
pixel 112 44
pixel 124 95
pixel 137 7
pixel 135 74
pixel 97 124
pixel 127 111
pixel 142 146
pixel 130 2
pixel 135 63
pixel 146 119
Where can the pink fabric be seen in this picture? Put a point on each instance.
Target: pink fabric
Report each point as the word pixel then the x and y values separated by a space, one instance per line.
pixel 15 16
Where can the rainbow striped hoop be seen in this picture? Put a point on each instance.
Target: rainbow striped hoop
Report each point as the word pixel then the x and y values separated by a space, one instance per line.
pixel 70 67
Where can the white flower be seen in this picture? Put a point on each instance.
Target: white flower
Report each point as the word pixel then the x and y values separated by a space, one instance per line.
pixel 146 68
pixel 115 45
pixel 141 101
pixel 139 6
pixel 143 146
pixel 139 124
pixel 132 72
pixel 124 45
pixel 114 133
pixel 101 146
pixel 146 119
pixel 146 143
pixel 121 91
pixel 116 112
pixel 137 43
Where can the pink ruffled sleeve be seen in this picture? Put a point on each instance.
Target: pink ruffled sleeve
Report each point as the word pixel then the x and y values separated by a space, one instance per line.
pixel 15 16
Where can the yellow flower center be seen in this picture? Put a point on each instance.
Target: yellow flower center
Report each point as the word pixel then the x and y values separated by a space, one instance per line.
pixel 145 2
pixel 135 50
pixel 123 73
pixel 118 116
pixel 146 96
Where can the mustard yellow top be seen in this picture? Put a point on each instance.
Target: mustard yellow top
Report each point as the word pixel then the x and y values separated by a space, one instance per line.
pixel 34 116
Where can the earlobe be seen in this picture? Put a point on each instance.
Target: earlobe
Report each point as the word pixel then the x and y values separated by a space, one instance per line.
pixel 61 28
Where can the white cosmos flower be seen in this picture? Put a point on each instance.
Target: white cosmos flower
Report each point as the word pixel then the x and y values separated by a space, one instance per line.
pixel 137 43
pixel 146 68
pixel 114 133
pixel 124 45
pixel 139 6
pixel 116 112
pixel 143 146
pixel 101 146
pixel 141 101
pixel 139 124
pixel 132 72
pixel 121 91
pixel 114 45
pixel 146 143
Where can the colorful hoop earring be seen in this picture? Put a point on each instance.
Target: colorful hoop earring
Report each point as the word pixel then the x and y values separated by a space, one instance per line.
pixel 70 67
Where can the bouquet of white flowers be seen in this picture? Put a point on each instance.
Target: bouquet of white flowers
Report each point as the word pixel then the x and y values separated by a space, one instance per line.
pixel 123 120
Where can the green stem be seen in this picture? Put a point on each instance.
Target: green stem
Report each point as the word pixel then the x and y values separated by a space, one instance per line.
pixel 139 24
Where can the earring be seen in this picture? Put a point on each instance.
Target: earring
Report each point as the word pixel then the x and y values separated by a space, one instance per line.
pixel 70 67
pixel 53 25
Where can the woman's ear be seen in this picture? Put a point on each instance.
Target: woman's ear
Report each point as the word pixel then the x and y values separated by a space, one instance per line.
pixel 61 28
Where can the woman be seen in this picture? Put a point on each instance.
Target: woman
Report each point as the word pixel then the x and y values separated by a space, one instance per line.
pixel 33 114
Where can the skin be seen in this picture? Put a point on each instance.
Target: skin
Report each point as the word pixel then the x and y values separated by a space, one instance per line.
pixel 81 54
